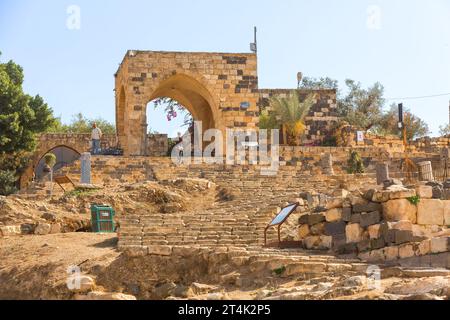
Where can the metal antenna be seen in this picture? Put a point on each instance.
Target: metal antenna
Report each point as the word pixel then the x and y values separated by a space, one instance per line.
pixel 253 45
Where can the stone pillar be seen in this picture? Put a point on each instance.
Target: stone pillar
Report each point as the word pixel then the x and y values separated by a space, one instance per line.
pixel 85 168
pixel 425 171
pixel 327 164
pixel 382 172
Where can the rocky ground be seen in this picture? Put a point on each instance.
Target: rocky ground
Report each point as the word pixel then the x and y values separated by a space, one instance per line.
pixel 36 267
pixel 44 240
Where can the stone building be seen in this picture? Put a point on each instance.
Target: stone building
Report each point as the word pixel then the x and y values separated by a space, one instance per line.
pixel 219 89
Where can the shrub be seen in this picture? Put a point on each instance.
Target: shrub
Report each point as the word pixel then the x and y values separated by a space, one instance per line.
pixel 50 159
pixel 355 163
pixel 7 182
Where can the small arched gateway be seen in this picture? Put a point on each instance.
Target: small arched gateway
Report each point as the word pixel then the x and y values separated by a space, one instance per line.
pixel 218 89
pixel 65 155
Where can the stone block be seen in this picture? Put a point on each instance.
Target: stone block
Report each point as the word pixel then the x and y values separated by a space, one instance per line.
pixel 389 236
pixel 312 219
pixel 398 210
pixel 377 243
pixel 380 196
pixel 402 194
pixel 311 242
pixel 347 214
pixel 333 215
pixel 159 250
pixel 135 251
pixel 353 233
pixel 335 228
pixel 424 192
pixel 430 212
pixel 401 225
pixel 371 218
pixel 374 231
pixel 439 245
pixel 371 206
pixel 317 229
pixel 303 231
pixel 403 236
pixel 423 248
pixel 42 229
pixel 406 251
pixel 446 212
pixel 339 240
pixel 391 253
pixel 363 245
pixel 355 218
pixel 7 231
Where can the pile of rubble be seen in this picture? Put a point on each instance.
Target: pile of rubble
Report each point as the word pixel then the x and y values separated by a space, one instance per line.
pixel 388 224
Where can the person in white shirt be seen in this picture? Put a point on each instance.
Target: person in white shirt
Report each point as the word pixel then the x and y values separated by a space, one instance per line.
pixel 96 137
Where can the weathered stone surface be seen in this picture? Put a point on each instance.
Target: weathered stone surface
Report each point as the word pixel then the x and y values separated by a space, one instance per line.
pixel 355 218
pixel 200 288
pixel 403 236
pixel 55 228
pixel 398 210
pixel 160 250
pixel 333 215
pixel 377 243
pixel 439 245
pixel 374 231
pixel 303 231
pixel 430 212
pixel 49 216
pixel 391 253
pixel 406 251
pixel 164 290
pixel 335 228
pixel 424 192
pixel 334 203
pixel 312 219
pixel 370 207
pixel 346 214
pixel 136 251
pixel 81 283
pixel 446 212
pixel 401 193
pixel 423 247
pixel 371 218
pixel 311 242
pixel 364 245
pixel 42 229
pixel 353 233
pixel 405 225
pixel 6 231
pixel 317 229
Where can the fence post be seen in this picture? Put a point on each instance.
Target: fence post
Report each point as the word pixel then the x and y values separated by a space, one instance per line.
pixel 382 172
pixel 85 168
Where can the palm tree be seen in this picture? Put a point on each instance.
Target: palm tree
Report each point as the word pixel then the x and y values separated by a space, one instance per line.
pixel 289 115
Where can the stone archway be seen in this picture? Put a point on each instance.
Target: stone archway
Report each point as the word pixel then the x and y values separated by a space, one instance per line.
pixel 219 89
pixel 65 155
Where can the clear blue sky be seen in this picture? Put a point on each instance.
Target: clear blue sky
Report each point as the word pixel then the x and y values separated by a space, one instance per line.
pixel 404 44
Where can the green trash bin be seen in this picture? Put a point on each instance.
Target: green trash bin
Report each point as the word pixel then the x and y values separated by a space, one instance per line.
pixel 102 218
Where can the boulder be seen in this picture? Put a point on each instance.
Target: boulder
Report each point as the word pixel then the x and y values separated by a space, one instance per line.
pixel 346 214
pixel 334 203
pixel 164 290
pixel 49 216
pixel 42 229
pixel 374 231
pixel 55 228
pixel 391 253
pixel 430 212
pixel 333 215
pixel 311 219
pixel 200 288
pixel 317 229
pixel 97 295
pixel 398 210
pixel 353 233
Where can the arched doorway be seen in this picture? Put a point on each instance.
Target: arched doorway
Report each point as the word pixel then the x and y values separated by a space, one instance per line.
pixel 64 156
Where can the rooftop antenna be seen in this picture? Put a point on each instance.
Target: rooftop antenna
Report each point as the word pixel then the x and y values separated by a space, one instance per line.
pixel 253 45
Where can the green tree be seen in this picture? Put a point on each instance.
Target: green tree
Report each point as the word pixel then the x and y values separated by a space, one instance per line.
pixel 81 124
pixel 288 114
pixel 362 107
pixel 22 117
pixel 444 130
pixel 415 127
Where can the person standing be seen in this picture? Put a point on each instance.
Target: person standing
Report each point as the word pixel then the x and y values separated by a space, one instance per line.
pixel 96 137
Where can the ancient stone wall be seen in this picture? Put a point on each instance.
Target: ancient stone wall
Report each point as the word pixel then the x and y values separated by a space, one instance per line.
pixel 322 118
pixel 157 145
